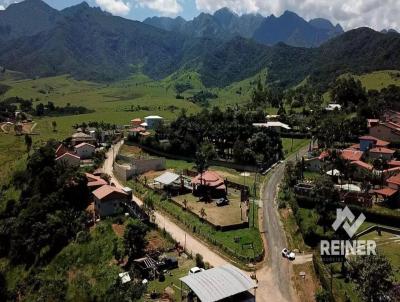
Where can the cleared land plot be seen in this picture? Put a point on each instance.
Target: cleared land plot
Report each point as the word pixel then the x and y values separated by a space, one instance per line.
pixel 233 213
pixel 389 245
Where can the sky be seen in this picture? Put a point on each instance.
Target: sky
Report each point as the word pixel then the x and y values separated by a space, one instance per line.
pixel 377 14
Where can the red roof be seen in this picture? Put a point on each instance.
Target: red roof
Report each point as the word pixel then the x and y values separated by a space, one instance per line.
pixel 61 150
pixel 351 155
pixel 95 181
pixel 378 142
pixel 323 155
pixel 106 190
pixel 394 179
pixel 386 192
pixel 209 178
pixel 363 165
pixel 145 133
pixel 69 154
pixel 394 163
pixel 136 120
pixel 381 150
pixel 138 129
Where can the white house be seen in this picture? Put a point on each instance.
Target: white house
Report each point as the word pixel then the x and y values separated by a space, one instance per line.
pixel 153 121
pixel 332 107
pixel 278 126
pixel 85 150
pixel 69 159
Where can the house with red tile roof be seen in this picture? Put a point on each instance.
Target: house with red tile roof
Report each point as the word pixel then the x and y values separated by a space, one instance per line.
pixel 108 199
pixel 351 155
pixel 61 149
pixel 209 182
pixel 69 159
pixel 94 182
pixel 381 152
pixel 387 131
pixel 368 142
pixel 394 182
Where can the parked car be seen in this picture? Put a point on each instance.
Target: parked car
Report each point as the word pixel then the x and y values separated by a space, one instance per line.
pixel 288 254
pixel 221 202
pixel 195 270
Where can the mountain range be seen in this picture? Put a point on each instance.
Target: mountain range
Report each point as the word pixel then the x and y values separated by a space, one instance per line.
pixel 92 44
pixel 289 28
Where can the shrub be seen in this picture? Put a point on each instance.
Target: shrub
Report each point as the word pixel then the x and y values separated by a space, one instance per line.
pixel 199 261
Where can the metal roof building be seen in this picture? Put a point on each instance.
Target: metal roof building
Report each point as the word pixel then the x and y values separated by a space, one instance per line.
pixel 219 283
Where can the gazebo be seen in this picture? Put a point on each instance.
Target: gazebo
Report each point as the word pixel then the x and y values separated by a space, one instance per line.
pixel 209 184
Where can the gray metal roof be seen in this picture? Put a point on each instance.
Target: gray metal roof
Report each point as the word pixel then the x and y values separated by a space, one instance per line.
pixel 167 178
pixel 219 283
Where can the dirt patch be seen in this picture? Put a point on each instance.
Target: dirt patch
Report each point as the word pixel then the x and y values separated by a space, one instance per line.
pixel 306 286
pixel 119 229
pixel 157 242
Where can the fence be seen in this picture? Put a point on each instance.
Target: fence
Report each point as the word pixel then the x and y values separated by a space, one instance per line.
pixel 222 163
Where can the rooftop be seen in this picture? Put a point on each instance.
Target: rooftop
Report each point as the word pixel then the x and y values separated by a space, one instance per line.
pixel 351 155
pixel 219 283
pixel 381 150
pixel 83 145
pixel 394 179
pixel 106 190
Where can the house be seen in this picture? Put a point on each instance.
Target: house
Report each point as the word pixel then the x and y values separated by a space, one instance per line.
pixel 387 131
pixel 381 152
pixel 314 164
pixel 209 183
pixel 108 199
pixel 332 107
pixel 85 150
pixel 94 182
pixel 81 137
pixel 368 142
pixel 136 122
pixel 278 126
pixel 153 121
pixel 361 168
pixel 134 132
pixel 351 155
pixel 394 182
pixel 69 159
pixel 61 149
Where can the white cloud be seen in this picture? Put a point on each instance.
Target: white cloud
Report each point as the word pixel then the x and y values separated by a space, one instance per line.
pixel 116 7
pixel 2 7
pixel 377 14
pixel 164 7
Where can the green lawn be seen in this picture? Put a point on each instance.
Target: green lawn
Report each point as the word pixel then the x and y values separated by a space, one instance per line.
pixel 291 146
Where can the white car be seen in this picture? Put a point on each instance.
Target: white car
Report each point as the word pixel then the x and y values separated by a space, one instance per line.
pixel 195 270
pixel 288 254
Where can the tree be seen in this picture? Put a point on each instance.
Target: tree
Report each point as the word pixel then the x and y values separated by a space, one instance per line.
pixel 39 109
pixel 134 239
pixel 322 295
pixel 28 143
pixel 203 213
pixel 325 195
pixel 199 261
pixel 54 125
pixel 185 203
pixel 18 129
pixel 117 251
pixel 373 275
pixel 348 91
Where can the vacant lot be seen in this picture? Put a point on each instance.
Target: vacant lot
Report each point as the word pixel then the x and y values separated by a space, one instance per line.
pixel 233 213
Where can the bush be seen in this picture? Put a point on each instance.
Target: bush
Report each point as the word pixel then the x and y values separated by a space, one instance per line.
pixel 199 261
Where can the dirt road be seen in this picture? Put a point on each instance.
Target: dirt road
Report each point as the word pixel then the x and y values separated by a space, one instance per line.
pixel 274 278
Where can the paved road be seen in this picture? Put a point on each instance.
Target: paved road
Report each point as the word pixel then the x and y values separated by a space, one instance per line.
pixel 274 233
pixel 274 278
